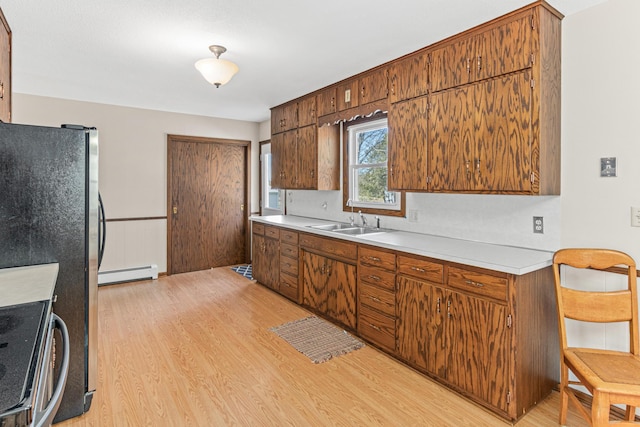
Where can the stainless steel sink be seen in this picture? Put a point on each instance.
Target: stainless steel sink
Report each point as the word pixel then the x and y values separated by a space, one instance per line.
pixel 346 228
pixel 332 227
pixel 356 231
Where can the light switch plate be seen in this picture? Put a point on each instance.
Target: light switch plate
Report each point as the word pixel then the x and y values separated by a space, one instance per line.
pixel 347 96
pixel 608 167
pixel 635 217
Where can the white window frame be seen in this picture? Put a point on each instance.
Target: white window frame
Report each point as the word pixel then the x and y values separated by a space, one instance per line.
pixel 352 132
pixel 265 161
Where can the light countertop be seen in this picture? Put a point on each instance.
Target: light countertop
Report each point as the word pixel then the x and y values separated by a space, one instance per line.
pixel 20 285
pixel 506 259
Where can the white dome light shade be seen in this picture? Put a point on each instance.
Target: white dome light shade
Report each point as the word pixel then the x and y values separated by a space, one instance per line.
pixel 215 70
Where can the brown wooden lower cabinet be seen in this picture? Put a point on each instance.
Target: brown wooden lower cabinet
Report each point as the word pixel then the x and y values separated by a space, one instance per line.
pixel 328 282
pixel 489 335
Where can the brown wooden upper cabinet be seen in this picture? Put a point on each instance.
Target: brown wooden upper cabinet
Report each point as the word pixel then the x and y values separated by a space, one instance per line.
pixel 407 122
pixel 502 49
pixel 327 101
pixel 348 96
pixel 307 112
pixel 374 86
pixel 484 115
pixel 5 70
pixel 480 136
pixel 284 118
pixel 408 77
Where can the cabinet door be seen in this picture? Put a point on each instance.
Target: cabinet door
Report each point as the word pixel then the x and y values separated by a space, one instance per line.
pixel 451 64
pixel 284 118
pixel 409 78
pixel 374 86
pixel 502 162
pixel 272 263
pixel 479 347
pixel 407 123
pixel 259 271
pixel 420 337
pixel 504 49
pixel 5 70
pixel 451 140
pixel 307 158
pixel 315 282
pixel 327 101
pixel 342 292
pixel 307 111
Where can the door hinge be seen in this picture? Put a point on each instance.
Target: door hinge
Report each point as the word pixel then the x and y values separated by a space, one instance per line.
pixel 533 22
pixel 533 59
pixel 508 397
pixel 428 179
pixel 509 321
pixel 533 178
pixel 533 83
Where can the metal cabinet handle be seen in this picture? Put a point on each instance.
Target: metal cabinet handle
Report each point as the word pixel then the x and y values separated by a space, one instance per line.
pixel 375 327
pixel 421 270
pixel 372 277
pixel 476 284
pixel 438 306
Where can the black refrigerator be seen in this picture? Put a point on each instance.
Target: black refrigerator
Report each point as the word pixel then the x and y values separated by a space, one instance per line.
pixel 50 212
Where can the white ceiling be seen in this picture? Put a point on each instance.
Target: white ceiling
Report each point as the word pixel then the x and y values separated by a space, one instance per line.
pixel 140 53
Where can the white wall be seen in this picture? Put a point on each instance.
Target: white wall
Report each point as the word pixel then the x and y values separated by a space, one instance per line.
pixel 601 118
pixel 133 166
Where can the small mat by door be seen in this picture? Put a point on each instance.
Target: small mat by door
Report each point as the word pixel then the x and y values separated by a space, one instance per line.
pixel 244 270
pixel 317 339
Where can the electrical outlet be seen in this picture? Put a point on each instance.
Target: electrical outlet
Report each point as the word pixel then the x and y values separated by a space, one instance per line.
pixel 347 96
pixel 538 225
pixel 635 217
pixel 412 215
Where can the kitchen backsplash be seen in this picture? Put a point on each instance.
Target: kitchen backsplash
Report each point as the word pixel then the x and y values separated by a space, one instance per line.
pixel 506 220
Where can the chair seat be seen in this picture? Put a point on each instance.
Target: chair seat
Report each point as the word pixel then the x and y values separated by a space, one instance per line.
pixel 606 370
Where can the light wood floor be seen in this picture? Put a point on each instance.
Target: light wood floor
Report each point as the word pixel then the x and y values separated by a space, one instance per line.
pixel 195 349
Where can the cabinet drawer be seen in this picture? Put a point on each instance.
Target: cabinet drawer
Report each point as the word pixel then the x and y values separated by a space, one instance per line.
pixel 380 299
pixel 270 231
pixel 257 228
pixel 289 265
pixel 478 283
pixel 289 286
pixel 329 246
pixel 421 268
pixel 377 258
pixel 289 236
pixel 377 276
pixel 288 250
pixel 377 328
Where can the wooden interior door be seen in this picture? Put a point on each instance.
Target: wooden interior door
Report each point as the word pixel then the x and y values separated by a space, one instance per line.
pixel 207 186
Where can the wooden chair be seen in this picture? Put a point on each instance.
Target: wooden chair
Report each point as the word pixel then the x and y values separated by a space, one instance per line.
pixel 612 377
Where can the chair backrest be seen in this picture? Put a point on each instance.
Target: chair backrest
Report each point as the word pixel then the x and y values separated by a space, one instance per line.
pixel 589 306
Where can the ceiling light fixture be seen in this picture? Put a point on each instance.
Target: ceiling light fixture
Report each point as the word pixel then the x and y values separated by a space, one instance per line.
pixel 215 70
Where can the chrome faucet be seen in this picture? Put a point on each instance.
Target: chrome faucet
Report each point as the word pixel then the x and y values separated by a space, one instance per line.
pixel 363 219
pixel 351 218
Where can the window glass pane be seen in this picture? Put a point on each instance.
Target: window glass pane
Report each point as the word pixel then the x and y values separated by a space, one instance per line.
pixel 371 184
pixel 372 146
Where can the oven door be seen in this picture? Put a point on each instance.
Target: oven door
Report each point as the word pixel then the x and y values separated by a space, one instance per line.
pixel 48 397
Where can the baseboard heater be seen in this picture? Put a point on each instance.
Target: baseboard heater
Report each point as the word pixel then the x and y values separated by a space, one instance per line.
pixel 127 275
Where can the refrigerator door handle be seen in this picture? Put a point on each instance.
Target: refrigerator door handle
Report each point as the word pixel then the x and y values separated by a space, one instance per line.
pixel 102 230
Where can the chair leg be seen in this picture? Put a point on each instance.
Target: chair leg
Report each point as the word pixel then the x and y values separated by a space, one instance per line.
pixel 600 409
pixel 564 396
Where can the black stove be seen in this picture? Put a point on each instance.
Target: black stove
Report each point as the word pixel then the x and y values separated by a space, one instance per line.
pixel 22 328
